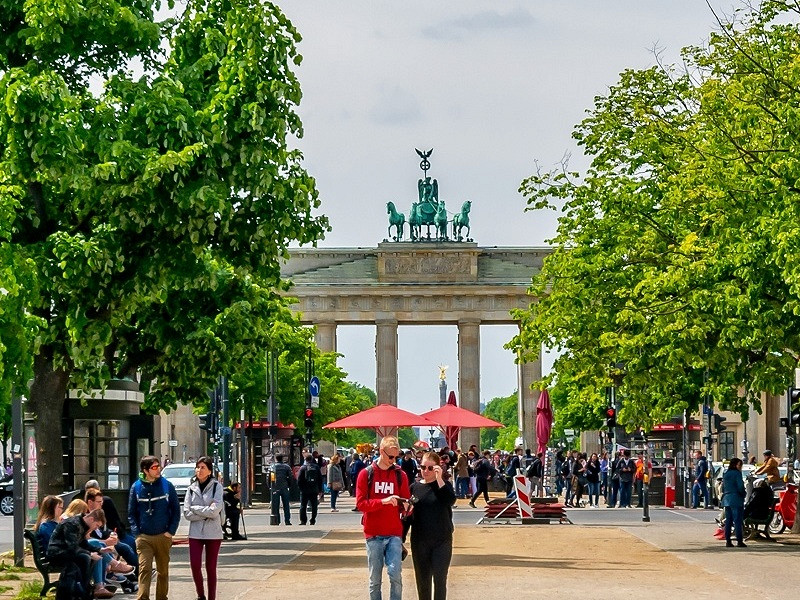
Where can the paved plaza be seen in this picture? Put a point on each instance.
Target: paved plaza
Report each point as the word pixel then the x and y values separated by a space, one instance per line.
pixel 605 553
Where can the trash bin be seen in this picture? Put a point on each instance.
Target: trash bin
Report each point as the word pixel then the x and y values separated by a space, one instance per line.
pixel 669 488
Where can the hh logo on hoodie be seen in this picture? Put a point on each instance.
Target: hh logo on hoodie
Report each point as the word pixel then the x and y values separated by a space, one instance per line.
pixel 384 487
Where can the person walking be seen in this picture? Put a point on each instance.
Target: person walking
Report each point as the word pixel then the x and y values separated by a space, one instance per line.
pixel 626 469
pixel 309 479
pixel 613 472
pixel 153 513
pixel 733 493
pixel 431 523
pixel 604 468
pixel 483 470
pixel 202 507
pixel 335 479
pixel 462 474
pixel 381 491
pixel 700 480
pixel 281 479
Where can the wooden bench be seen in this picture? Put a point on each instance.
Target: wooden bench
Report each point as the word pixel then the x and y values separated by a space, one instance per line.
pixel 41 562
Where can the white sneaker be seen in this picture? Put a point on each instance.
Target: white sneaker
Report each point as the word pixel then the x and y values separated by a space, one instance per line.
pixel 333 510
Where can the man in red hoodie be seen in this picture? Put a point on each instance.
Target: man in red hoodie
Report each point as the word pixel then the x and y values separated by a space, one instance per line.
pixel 381 494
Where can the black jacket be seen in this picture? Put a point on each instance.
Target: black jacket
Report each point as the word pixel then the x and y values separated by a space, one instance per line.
pixel 68 540
pixel 303 481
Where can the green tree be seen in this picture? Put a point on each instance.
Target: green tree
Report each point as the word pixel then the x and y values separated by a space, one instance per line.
pixel 503 410
pixel 677 250
pixel 152 211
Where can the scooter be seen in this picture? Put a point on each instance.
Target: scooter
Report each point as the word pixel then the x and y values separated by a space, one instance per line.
pixel 785 509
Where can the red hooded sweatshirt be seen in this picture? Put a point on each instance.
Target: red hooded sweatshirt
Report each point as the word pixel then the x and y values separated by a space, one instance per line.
pixel 379 518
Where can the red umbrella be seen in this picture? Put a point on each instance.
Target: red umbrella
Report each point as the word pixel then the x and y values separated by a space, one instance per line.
pixel 384 419
pixel 544 420
pixel 451 419
pixel 451 399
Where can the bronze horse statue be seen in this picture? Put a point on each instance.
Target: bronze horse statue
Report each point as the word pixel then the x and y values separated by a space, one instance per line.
pixel 461 220
pixel 396 220
pixel 441 221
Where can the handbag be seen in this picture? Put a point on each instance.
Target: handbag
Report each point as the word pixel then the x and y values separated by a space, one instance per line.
pixel 337 486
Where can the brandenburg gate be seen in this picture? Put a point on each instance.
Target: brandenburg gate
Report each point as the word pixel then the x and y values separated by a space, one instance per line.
pixel 441 282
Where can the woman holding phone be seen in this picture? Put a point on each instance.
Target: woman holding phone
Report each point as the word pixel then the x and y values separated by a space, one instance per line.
pixel 431 523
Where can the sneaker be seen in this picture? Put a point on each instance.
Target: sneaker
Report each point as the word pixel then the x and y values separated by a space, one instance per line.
pixel 333 510
pixel 102 592
pixel 472 504
pixel 729 544
pixel 121 567
pixel 741 544
pixel 313 521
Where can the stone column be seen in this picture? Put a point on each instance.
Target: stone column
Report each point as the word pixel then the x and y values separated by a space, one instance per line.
pixel 386 362
pixel 528 373
pixel 325 337
pixel 469 375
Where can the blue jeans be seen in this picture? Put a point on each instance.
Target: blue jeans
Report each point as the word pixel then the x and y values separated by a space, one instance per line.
pixel 594 490
pixel 733 516
pixel 334 497
pixel 625 493
pixel 462 487
pixel 698 488
pixel 385 550
pixel 279 496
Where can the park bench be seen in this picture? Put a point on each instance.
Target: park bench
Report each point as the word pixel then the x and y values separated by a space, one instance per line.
pixel 41 562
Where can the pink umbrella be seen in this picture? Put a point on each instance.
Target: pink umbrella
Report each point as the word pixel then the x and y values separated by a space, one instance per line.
pixel 544 420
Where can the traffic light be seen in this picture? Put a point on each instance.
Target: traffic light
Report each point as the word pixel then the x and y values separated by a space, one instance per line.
pixel 207 422
pixel 309 418
pixel 794 406
pixel 718 420
pixel 611 417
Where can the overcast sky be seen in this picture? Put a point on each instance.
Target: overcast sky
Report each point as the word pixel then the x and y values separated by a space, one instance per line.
pixel 492 87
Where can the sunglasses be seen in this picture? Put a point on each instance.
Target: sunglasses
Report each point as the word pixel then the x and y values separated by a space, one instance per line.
pixel 155 467
pixel 389 456
pixel 427 467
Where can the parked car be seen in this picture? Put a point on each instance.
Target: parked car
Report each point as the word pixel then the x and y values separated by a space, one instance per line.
pixel 180 475
pixel 7 496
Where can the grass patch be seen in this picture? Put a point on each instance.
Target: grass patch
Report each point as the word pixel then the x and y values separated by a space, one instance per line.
pixel 5 588
pixel 9 577
pixel 11 568
pixel 30 591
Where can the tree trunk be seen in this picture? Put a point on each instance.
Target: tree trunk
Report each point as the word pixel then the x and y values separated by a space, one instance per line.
pixel 46 401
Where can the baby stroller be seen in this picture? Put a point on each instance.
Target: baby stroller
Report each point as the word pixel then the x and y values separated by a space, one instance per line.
pixel 759 510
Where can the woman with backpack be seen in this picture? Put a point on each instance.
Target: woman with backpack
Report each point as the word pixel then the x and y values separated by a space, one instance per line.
pixel 202 507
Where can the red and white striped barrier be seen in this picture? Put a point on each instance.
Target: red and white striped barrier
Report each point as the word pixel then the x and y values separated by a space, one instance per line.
pixel 523 496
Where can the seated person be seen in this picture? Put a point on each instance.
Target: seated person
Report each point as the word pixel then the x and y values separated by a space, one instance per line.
pixel 232 510
pixel 113 521
pixel 94 499
pixel 49 516
pixel 108 562
pixel 770 469
pixel 68 547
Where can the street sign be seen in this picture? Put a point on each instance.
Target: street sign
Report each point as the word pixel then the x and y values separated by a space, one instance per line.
pixel 314 401
pixel 569 432
pixel 172 443
pixel 313 386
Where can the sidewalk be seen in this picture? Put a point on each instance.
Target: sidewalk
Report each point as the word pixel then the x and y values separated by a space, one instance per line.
pixel 657 559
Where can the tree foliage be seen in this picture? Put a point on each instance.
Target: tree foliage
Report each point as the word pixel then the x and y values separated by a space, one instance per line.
pixel 677 252
pixel 146 215
pixel 504 410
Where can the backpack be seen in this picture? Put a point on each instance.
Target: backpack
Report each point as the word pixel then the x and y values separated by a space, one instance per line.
pixel 534 469
pixel 566 469
pixel 492 469
pixel 70 584
pixel 313 477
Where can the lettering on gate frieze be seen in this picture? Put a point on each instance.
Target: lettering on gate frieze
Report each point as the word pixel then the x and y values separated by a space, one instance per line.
pixel 427 265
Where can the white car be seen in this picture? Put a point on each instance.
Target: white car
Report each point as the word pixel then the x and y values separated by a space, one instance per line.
pixel 180 475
